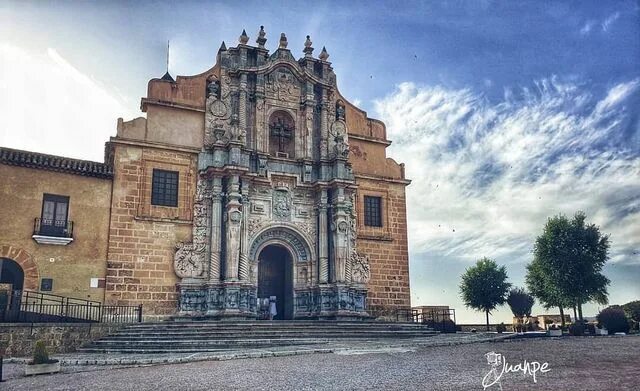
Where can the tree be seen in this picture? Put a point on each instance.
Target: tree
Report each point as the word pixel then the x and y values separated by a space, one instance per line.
pixel 568 261
pixel 520 303
pixel 543 289
pixel 632 310
pixel 484 286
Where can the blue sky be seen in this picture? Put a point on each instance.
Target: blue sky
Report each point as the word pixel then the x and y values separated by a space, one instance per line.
pixel 505 112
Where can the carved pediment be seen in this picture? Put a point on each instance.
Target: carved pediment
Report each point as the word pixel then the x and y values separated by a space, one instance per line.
pixel 283 85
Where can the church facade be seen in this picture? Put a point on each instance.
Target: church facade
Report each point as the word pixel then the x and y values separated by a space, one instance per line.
pixel 255 179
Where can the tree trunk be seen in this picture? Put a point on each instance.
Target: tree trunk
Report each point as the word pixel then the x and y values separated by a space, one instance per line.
pixel 562 316
pixel 487 320
pixel 580 311
pixel 575 316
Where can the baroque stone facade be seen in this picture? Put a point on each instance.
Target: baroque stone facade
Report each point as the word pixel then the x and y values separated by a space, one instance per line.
pixel 273 170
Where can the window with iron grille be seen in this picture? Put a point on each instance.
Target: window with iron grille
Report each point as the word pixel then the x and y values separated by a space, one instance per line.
pixel 372 211
pixel 164 190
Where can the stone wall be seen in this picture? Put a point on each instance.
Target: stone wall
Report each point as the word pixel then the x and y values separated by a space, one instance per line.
pixel 18 340
pixel 386 246
pixel 143 236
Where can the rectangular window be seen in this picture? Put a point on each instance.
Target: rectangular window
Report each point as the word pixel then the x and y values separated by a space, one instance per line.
pixel 164 191
pixel 372 211
pixel 53 221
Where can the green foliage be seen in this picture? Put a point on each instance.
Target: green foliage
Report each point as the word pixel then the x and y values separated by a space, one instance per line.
pixel 40 355
pixel 613 319
pixel 484 286
pixel 501 328
pixel 520 302
pixel 632 310
pixel 567 267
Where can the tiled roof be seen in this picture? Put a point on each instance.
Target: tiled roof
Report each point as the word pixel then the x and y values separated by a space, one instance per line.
pixel 15 157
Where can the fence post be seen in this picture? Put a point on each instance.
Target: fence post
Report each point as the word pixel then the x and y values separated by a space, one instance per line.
pixel 140 313
pixel 1 360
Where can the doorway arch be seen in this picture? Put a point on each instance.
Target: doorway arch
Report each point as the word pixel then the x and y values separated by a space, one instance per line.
pixel 275 278
pixel 11 273
pixel 26 263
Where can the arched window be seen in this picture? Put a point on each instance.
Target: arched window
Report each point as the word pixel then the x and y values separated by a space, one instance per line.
pixel 281 135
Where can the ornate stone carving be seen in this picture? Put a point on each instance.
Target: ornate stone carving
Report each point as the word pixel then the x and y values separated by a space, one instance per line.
pixel 302 252
pixel 190 258
pixel 283 85
pixel 281 203
pixel 340 138
pixel 254 226
pixel 360 269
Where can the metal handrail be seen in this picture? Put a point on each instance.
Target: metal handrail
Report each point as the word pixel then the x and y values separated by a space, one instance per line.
pixel 30 306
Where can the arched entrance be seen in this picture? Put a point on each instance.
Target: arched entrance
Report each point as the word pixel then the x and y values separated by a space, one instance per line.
pixel 275 278
pixel 11 273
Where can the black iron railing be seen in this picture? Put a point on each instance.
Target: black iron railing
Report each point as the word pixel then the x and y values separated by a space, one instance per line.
pixel 55 228
pixel 38 307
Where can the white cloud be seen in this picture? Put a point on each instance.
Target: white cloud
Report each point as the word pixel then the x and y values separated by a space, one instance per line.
pixel 586 29
pixel 495 172
pixel 606 24
pixel 48 105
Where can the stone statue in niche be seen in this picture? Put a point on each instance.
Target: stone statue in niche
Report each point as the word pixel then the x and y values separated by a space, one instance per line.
pixel 340 139
pixel 213 89
pixel 340 111
pixel 262 165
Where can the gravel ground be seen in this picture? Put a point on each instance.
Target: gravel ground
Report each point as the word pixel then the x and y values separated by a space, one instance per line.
pixel 575 363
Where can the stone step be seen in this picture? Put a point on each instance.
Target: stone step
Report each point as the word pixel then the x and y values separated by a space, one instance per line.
pixel 271 337
pixel 268 332
pixel 275 327
pixel 215 336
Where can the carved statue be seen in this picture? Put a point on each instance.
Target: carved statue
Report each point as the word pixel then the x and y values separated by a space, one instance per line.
pixel 340 111
pixel 213 89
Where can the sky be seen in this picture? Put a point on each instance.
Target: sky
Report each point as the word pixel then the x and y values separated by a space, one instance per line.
pixel 504 112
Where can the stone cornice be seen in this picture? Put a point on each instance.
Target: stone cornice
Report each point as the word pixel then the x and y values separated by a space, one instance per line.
pixel 405 182
pixel 148 144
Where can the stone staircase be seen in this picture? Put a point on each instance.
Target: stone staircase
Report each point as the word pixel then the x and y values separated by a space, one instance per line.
pixel 186 337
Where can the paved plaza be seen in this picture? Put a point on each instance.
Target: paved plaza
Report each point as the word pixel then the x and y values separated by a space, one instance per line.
pixel 445 363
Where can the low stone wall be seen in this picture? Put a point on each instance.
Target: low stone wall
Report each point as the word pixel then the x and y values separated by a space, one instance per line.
pixel 18 339
pixel 482 327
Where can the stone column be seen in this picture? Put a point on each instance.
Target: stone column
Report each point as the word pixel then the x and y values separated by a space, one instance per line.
pixel 243 269
pixel 309 121
pixel 324 126
pixel 323 239
pixel 234 221
pixel 242 109
pixel 216 229
pixel 340 231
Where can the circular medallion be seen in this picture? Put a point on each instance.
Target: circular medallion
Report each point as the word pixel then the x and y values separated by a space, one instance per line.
pixel 218 108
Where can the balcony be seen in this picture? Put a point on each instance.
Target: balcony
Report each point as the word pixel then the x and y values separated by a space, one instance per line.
pixel 48 231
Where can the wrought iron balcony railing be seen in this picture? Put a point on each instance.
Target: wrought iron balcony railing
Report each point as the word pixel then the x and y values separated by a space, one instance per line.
pixel 53 228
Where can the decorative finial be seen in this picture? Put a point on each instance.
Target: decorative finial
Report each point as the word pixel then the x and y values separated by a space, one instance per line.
pixel 261 37
pixel 308 50
pixel 283 41
pixel 223 47
pixel 244 38
pixel 324 55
